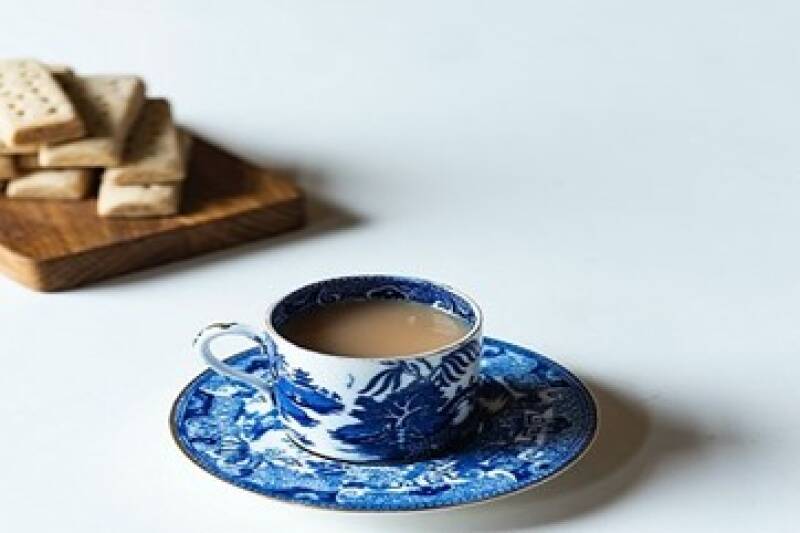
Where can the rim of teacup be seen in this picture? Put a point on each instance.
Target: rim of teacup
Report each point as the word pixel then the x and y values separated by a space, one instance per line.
pixel 473 331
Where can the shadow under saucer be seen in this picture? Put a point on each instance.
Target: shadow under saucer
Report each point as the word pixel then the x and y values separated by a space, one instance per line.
pixel 617 462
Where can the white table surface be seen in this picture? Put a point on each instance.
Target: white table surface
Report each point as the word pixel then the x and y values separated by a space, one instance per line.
pixel 618 184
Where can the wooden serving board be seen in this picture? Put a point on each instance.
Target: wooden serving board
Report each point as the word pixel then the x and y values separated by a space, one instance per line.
pixel 54 245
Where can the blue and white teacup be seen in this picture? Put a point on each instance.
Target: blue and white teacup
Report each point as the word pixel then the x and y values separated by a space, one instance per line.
pixel 364 409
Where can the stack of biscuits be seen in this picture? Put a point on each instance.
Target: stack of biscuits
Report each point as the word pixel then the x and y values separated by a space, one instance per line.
pixel 59 131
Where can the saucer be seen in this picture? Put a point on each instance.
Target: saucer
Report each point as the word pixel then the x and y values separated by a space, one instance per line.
pixel 536 419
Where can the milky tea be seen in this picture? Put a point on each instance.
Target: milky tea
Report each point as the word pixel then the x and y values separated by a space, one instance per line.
pixel 374 328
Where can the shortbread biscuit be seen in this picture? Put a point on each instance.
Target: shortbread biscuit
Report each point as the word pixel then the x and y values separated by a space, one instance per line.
pixel 33 107
pixel 28 162
pixel 8 168
pixel 108 106
pixel 134 201
pixel 20 149
pixel 131 201
pixel 153 153
pixel 50 184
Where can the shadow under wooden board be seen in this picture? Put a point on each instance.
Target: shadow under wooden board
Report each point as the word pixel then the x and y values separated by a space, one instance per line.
pixel 56 245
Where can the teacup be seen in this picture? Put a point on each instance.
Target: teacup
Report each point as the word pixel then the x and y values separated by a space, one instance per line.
pixel 364 409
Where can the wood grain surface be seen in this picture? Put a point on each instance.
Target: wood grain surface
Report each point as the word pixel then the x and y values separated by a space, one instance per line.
pixel 55 245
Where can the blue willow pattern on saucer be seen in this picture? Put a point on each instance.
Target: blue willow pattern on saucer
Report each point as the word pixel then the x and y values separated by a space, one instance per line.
pixel 535 419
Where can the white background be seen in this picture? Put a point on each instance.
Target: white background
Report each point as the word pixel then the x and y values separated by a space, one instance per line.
pixel 616 182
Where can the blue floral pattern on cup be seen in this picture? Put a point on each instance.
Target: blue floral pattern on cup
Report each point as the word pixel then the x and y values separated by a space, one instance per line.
pixel 417 418
pixel 534 419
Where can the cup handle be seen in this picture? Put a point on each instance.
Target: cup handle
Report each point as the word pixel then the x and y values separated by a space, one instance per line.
pixel 202 345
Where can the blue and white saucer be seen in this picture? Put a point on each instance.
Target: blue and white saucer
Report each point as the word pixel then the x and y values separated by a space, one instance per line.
pixel 536 420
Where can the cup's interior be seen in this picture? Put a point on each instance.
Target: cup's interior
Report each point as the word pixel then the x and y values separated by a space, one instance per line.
pixel 373 287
